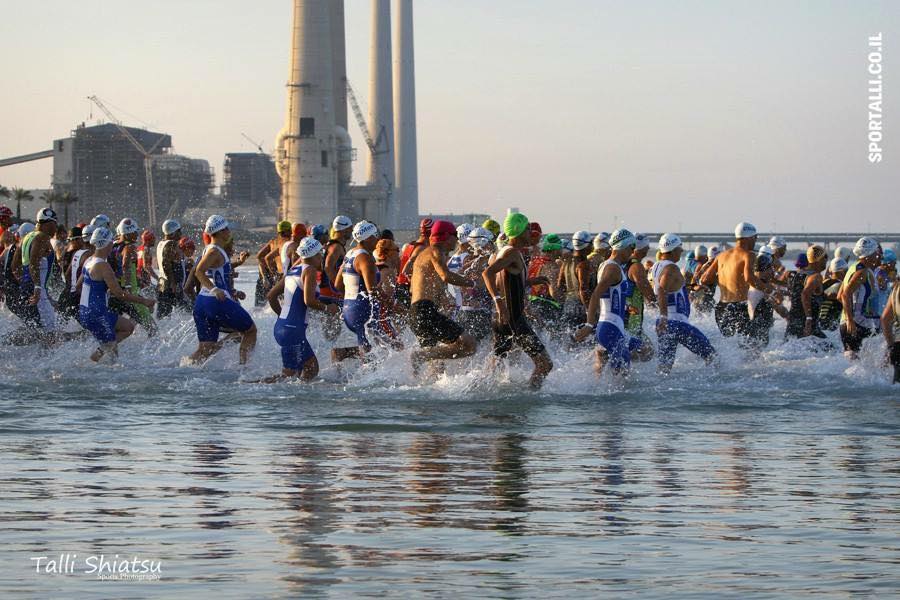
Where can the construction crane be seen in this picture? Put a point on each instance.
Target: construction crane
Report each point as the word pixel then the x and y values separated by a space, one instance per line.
pixel 147 154
pixel 381 140
pixel 257 144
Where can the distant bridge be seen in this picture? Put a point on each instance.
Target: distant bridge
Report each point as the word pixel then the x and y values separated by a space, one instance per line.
pixel 828 238
pixel 15 160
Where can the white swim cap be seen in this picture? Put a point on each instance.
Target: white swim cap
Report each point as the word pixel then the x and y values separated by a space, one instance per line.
pixel 101 237
pixel 843 252
pixel 621 238
pixel 601 241
pixel 700 251
pixel 100 220
pixel 641 241
pixel 463 231
pixel 25 229
pixel 341 223
pixel 714 251
pixel 776 241
pixel 127 227
pixel 744 230
pixel 865 246
pixel 480 237
pixel 308 247
pixel 215 224
pixel 364 230
pixel 46 215
pixel 669 242
pixel 87 231
pixel 837 264
pixel 581 240
pixel 170 226
pixel 767 250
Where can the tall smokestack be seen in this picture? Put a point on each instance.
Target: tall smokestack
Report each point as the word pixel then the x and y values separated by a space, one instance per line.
pixel 381 107
pixel 339 60
pixel 406 152
pixel 305 148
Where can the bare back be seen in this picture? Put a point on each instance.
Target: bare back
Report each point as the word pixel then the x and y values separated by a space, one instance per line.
pixel 734 264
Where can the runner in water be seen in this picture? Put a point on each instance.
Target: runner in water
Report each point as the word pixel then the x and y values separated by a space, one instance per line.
pixel 32 265
pixel 215 307
pixel 387 262
pixel 299 288
pixel 858 321
pixel 542 302
pixel 439 336
pixel 146 273
pixel 289 250
pixel 830 311
pixel 358 279
pixel 575 280
pixel 806 293
pixel 607 310
pixel 128 231
pixel 890 322
pixel 778 246
pixel 600 251
pixel 266 278
pixel 172 275
pixel 97 283
pixel 76 252
pixel 408 255
pixel 457 262
pixel 672 325
pixel 639 292
pixel 335 250
pixel 761 305
pixel 507 274
pixel 275 256
pixel 694 262
pixel 733 271
pixel 16 302
pixel 475 312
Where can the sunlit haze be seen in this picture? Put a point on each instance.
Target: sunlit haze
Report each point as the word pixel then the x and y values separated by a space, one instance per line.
pixel 662 115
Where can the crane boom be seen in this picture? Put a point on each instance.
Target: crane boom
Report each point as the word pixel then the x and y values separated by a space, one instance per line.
pixel 257 144
pixel 361 121
pixel 147 154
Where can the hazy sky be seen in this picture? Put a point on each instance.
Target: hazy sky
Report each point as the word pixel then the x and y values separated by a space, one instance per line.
pixel 576 111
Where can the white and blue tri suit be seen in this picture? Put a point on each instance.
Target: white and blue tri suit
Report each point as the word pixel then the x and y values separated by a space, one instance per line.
pixel 93 309
pixel 358 309
pixel 678 329
pixel 290 327
pixel 211 314
pixel 611 334
pixel 455 265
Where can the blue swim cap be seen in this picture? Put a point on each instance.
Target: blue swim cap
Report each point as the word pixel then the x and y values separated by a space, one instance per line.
pixel 318 230
pixel 889 256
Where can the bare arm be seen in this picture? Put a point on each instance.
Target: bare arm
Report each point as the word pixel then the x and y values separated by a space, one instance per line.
pixel 846 296
pixel 887 322
pixel 583 273
pixel 750 275
pixel 332 263
pixel 366 268
pixel 273 295
pixel 112 284
pixel 638 275
pixel 710 273
pixel 446 275
pixel 812 287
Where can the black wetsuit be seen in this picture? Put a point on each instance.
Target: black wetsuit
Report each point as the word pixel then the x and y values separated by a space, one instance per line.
pixel 516 332
pixel 830 309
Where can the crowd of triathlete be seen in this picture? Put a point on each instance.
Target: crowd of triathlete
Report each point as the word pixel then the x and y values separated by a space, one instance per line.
pixel 453 287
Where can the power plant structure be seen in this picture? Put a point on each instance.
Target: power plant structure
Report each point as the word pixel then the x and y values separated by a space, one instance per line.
pixel 314 152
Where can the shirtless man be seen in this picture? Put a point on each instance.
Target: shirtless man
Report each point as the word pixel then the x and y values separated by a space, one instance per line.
pixel 508 274
pixel 734 273
pixel 439 336
pixel 335 251
pixel 407 258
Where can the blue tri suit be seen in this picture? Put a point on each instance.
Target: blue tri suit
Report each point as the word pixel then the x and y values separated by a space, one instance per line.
pixel 212 314
pixel 290 327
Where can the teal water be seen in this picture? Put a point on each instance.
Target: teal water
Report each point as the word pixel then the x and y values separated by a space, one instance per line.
pixel 769 476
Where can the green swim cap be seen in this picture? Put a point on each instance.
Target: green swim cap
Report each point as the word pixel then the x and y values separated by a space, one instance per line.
pixel 551 243
pixel 515 225
pixel 284 227
pixel 492 226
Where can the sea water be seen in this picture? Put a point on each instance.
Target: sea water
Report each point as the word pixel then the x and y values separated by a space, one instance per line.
pixel 772 474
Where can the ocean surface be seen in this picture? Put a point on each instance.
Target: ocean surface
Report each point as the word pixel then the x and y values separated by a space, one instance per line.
pixel 775 474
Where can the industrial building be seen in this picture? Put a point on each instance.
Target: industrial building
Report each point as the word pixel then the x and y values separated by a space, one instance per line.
pixel 314 153
pixel 101 166
pixel 250 180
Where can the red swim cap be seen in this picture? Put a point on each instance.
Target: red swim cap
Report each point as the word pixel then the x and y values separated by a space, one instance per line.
pixel 187 244
pixel 148 238
pixel 426 225
pixel 441 231
pixel 536 231
pixel 299 230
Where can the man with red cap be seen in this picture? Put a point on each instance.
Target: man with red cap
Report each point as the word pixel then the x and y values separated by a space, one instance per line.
pixel 532 245
pixel 407 259
pixel 439 336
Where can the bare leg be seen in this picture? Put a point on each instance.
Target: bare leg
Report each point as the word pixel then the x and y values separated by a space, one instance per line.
pixel 464 346
pixel 124 328
pixel 310 369
pixel 204 351
pixel 342 354
pixel 599 361
pixel 248 343
pixel 542 367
